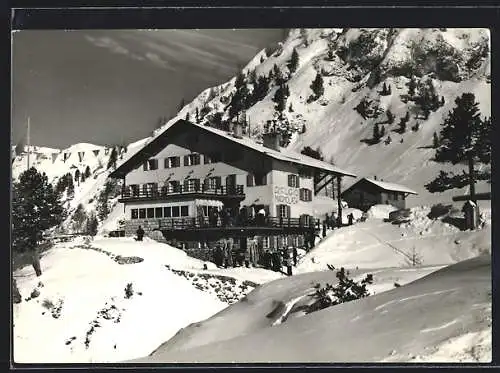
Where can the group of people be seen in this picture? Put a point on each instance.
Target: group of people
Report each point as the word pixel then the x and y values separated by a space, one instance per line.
pixel 277 259
pixel 224 256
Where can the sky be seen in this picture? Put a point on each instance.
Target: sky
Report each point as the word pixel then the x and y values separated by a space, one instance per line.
pixel 112 86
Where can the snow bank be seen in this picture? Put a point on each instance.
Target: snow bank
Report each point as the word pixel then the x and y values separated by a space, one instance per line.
pixel 380 211
pixel 450 303
pixel 82 287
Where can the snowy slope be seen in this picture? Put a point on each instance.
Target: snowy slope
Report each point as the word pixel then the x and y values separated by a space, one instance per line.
pixel 456 302
pixel 83 284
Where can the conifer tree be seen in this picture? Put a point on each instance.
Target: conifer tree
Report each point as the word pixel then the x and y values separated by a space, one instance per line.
pixel 317 86
pixel 92 224
pixel 465 137
pixel 376 133
pixel 412 84
pixel 35 207
pixel 197 115
pixel 187 117
pixel 390 117
pixel 82 177
pixel 442 102
pixel 87 172
pixel 435 141
pixel 77 176
pixel 402 126
pixel 70 191
pixel 294 61
pixel 113 157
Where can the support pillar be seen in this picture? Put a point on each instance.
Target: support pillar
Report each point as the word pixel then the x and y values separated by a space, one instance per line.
pixel 339 201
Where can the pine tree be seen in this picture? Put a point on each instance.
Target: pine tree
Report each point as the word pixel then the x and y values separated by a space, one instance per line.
pixel 402 126
pixel 376 133
pixel 435 141
pixel 35 207
pixel 77 176
pixel 390 117
pixel 442 102
pixel 384 90
pixel 262 59
pixel 197 115
pixel 252 77
pixel 79 218
pixel 82 177
pixel 187 118
pixel 303 128
pixel 280 98
pixel 412 84
pixel 317 86
pixel 290 108
pixel 92 224
pixel 278 75
pixel 70 191
pixel 112 158
pixel 87 172
pixel 294 61
pixel 389 90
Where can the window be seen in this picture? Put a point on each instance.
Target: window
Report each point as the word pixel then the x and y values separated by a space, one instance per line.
pixel 142 213
pixel 134 214
pixel 184 210
pixel 212 183
pixel 191 185
pixel 152 188
pixel 145 166
pixel 250 180
pixel 173 186
pixel 145 189
pixel 212 158
pixel 293 181
pixel 192 159
pixel 158 212
pixel 283 211
pixel 167 212
pixel 172 162
pixel 135 190
pixel 260 178
pixel 153 164
pixel 175 211
pixel 305 195
pixel 150 213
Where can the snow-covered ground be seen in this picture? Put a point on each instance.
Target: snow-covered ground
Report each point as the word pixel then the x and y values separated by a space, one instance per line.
pixel 82 297
pixel 272 311
pixel 438 318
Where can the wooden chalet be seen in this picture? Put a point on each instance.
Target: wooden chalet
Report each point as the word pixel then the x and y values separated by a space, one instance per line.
pixel 365 193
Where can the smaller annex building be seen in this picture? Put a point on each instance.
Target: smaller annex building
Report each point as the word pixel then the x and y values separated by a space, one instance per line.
pixel 365 193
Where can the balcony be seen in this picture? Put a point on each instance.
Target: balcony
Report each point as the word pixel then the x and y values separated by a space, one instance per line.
pixel 161 194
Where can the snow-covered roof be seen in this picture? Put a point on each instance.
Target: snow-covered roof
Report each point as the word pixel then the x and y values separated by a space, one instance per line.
pixel 282 155
pixel 385 186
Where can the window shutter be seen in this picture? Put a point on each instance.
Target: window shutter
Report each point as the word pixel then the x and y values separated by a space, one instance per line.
pixel 289 180
pixel 298 181
pixel 166 163
pixel 218 182
pixel 186 184
pixel 197 183
pixel 250 180
pixel 145 166
pixel 278 211
pixel 301 195
pixel 186 160
pixel 287 211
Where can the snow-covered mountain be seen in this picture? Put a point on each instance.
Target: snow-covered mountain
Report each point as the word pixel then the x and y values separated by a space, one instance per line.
pixel 355 64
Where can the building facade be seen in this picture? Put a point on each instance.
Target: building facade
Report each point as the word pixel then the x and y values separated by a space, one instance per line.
pixel 368 192
pixel 197 177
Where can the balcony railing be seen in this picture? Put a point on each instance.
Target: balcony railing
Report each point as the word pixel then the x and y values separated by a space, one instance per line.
pixel 236 190
pixel 207 222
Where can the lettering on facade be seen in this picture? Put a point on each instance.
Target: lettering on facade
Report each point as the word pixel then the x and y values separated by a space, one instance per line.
pixel 287 195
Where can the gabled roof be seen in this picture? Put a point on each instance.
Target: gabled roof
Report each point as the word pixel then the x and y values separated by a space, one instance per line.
pixel 391 187
pixel 155 145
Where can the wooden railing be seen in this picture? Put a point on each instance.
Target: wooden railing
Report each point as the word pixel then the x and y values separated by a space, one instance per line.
pixel 236 190
pixel 206 222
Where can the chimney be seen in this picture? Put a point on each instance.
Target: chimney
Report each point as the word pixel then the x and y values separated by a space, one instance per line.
pixel 271 140
pixel 238 130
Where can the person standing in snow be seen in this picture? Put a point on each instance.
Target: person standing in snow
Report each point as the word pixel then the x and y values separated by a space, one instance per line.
pixel 140 233
pixel 351 218
pixel 324 229
pixel 295 255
